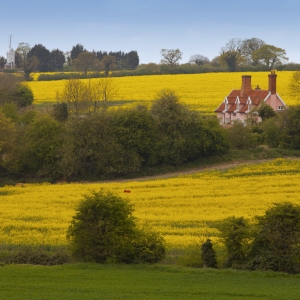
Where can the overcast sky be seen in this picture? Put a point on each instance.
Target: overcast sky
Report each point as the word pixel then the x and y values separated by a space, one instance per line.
pixel 147 26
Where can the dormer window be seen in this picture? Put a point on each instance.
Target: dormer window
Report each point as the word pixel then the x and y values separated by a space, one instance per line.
pixel 226 104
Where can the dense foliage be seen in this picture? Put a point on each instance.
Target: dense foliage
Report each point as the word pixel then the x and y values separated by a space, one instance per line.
pixel 104 230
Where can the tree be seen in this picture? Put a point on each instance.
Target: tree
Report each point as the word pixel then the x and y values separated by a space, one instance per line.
pixel 109 63
pixel 57 60
pixel 104 230
pixel 294 86
pixel 231 54
pixel 248 47
pixel 43 55
pixel 170 56
pixel 7 135
pixel 265 111
pixel 132 60
pixel 12 90
pixel 2 62
pixel 276 245
pixel 29 64
pixel 86 61
pixel 199 59
pixel 102 91
pixel 208 255
pixel 270 55
pixel 60 111
pixel 76 50
pixel 76 94
pixel 234 233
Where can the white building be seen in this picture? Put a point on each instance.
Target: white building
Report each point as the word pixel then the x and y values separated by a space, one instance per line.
pixel 10 64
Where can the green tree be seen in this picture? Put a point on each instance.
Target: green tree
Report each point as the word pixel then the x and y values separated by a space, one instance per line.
pixel 109 63
pixel 276 245
pixel 234 233
pixel 132 60
pixel 170 56
pixel 60 111
pixel 265 111
pixel 135 130
pixel 208 255
pixel 7 136
pixel 76 50
pixel 86 61
pixel 57 60
pixel 2 62
pixel 90 149
pixel 12 90
pixel 270 55
pixel 43 55
pixel 104 230
pixel 291 128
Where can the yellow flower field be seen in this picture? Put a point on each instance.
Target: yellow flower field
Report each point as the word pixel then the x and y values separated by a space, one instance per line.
pixel 203 92
pixel 180 208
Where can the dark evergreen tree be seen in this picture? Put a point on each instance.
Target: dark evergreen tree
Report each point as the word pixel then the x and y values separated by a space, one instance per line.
pixel 43 55
pixel 208 255
pixel 57 60
pixel 132 60
pixel 76 50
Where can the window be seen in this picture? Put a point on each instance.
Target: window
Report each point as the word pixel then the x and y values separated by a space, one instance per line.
pixel 281 107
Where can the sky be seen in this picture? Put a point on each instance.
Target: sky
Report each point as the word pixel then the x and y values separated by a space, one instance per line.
pixel 147 26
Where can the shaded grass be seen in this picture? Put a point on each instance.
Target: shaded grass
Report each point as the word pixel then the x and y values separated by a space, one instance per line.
pixel 91 281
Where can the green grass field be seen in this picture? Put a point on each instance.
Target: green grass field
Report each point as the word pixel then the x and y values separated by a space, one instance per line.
pixel 90 281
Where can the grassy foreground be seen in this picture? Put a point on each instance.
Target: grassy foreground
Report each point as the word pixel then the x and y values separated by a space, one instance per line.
pixel 89 281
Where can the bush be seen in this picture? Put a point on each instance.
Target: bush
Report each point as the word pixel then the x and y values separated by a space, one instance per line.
pixel 208 255
pixel 276 245
pixel 104 231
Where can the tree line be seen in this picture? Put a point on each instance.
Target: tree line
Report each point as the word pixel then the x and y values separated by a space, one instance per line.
pixel 237 55
pixel 82 137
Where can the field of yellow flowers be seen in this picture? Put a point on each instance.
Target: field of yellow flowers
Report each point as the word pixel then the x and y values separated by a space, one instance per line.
pixel 203 92
pixel 182 208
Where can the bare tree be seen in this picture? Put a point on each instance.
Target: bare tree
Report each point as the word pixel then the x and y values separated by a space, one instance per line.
pixel 199 59
pixel 86 61
pixel 170 56
pixel 294 86
pixel 249 46
pixel 231 54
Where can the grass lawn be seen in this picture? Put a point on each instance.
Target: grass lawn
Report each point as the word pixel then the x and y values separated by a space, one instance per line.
pixel 91 281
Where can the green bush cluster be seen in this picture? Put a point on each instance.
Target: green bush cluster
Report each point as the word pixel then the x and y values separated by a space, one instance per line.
pixel 271 242
pixel 105 231
pixel 109 142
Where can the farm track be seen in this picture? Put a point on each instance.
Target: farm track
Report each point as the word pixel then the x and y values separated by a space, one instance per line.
pixel 221 166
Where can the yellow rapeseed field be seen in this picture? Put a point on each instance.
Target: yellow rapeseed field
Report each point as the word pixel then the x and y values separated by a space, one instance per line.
pixel 180 208
pixel 203 92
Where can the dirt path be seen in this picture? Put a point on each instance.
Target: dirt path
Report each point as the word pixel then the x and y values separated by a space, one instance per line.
pixel 222 166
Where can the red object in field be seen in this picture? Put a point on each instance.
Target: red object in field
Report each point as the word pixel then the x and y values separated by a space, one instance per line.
pixel 126 191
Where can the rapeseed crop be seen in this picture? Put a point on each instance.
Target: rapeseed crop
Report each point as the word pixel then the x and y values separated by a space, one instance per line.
pixel 202 92
pixel 182 208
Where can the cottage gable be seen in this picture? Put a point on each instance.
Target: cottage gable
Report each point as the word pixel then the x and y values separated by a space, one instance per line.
pixel 238 104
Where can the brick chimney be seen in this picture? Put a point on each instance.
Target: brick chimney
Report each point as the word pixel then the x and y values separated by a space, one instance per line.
pixel 246 85
pixel 272 82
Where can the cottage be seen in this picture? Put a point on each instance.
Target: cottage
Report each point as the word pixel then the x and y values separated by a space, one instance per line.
pixel 238 104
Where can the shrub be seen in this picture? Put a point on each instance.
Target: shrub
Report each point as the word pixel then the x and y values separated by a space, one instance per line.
pixel 104 231
pixel 208 255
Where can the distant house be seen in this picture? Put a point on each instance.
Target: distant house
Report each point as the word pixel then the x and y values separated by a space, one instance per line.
pixel 238 104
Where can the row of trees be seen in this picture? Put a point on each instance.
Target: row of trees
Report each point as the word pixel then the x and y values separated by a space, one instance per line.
pixel 106 142
pixel 235 53
pixel 39 58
